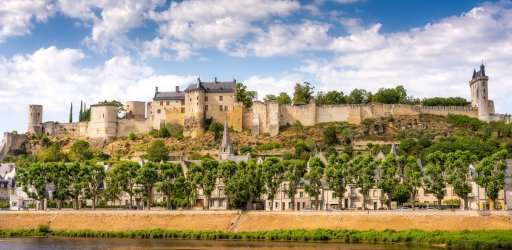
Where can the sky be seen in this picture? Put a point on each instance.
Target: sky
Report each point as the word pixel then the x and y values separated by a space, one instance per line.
pixel 58 52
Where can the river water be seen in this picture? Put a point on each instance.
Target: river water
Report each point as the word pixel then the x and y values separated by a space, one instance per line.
pixel 102 243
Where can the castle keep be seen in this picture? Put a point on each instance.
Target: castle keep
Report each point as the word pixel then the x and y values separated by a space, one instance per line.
pixel 216 100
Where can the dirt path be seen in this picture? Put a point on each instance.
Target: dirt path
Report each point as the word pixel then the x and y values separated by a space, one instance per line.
pixel 254 221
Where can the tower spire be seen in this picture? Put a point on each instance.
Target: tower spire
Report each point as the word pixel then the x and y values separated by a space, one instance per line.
pixel 226 148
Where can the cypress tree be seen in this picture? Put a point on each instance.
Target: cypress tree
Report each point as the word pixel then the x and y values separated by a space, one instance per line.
pixel 71 113
pixel 80 114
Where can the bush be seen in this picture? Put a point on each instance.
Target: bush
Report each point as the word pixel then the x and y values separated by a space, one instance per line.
pixel 132 136
pixel 4 205
pixel 43 228
pixel 330 136
pixel 245 149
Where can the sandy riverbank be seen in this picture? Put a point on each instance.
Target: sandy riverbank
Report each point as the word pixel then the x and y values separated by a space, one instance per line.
pixel 255 221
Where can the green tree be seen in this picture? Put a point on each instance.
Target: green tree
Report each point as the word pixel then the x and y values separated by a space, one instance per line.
pixel 80 151
pixel 71 113
pixel 331 98
pixel 248 183
pixel 205 176
pixel 217 129
pixel 303 93
pixel 337 175
pixel 434 177
pixel 314 179
pixel 358 96
pixel 388 176
pixel 33 180
pixel 112 192
pixel 413 175
pixel 295 171
pixel 490 174
pixel 52 154
pixel 457 165
pixel 391 95
pixel 59 177
pixel 125 174
pixel 330 136
pixel 227 171
pixel 284 99
pixel 93 177
pixel 274 174
pixel 157 151
pixel 76 172
pixel 362 171
pixel 147 177
pixel 245 96
pixel 400 193
pixel 168 174
pixel 120 106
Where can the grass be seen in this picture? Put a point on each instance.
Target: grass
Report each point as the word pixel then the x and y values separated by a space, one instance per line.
pixel 466 239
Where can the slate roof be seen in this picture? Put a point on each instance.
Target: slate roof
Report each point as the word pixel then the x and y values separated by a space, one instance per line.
pixel 213 87
pixel 169 96
pixel 207 87
pixel 479 73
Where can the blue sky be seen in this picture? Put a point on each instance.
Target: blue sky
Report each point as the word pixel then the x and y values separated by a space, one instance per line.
pixel 54 52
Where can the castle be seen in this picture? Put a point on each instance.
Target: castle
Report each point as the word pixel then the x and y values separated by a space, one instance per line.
pixel 216 100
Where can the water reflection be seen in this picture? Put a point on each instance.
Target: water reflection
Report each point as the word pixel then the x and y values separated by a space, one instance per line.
pixel 99 243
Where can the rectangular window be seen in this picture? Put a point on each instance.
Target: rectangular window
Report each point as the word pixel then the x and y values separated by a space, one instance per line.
pixel 334 195
pixel 225 108
pixel 197 98
pixel 167 103
pixel 182 110
pixel 289 205
pixel 205 107
pixel 221 98
pixel 277 204
pixel 182 102
pixel 206 98
pixel 220 107
pixel 158 111
pixel 161 103
pixel 301 194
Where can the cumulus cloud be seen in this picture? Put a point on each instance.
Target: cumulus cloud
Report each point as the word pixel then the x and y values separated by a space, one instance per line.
pixel 434 60
pixel 111 20
pixel 16 16
pixel 53 78
pixel 213 23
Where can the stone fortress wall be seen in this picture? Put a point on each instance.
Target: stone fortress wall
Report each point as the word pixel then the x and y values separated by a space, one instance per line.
pixel 268 117
pixel 261 118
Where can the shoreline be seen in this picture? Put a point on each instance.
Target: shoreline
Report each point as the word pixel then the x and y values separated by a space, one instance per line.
pixel 479 239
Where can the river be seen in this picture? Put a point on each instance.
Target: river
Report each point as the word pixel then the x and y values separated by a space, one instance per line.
pixel 102 243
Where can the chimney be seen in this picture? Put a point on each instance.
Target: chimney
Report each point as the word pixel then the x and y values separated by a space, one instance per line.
pixel 156 89
pixel 215 79
pixel 177 89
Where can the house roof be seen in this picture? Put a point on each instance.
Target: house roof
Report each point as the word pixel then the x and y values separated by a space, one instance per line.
pixel 213 87
pixel 169 96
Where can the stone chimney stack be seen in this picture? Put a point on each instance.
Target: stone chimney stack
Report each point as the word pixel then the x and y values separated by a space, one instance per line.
pixel 177 89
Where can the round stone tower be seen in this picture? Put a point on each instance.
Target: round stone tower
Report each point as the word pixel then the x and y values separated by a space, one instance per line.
pixel 35 119
pixel 103 122
pixel 480 94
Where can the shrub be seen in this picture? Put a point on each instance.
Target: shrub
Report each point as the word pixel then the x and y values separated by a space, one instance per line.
pixel 132 136
pixel 269 146
pixel 330 136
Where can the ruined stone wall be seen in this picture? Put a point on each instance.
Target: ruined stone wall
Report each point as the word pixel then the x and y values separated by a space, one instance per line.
pixel 247 117
pixel 10 142
pixel 137 126
pixel 304 114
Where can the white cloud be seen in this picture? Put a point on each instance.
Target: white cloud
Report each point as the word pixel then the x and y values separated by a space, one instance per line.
pixel 114 20
pixel 214 23
pixel 434 60
pixel 16 16
pixel 51 77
